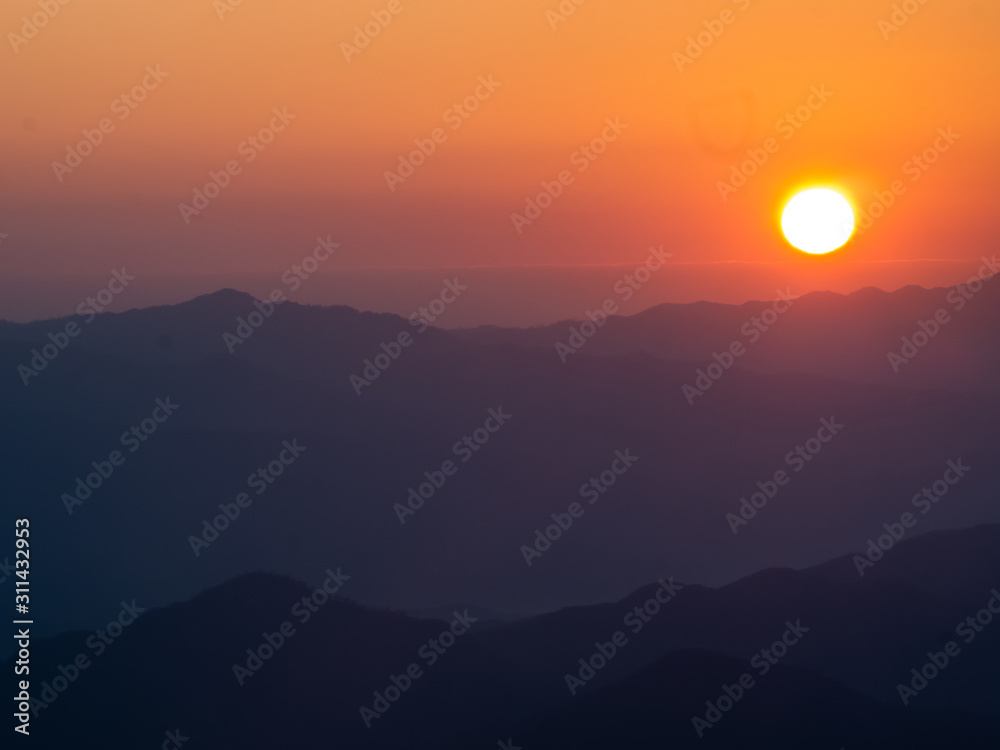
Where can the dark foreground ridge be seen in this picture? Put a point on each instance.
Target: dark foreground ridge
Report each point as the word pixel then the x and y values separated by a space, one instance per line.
pixel 782 659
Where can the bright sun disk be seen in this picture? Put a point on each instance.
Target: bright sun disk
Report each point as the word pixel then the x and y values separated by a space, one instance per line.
pixel 818 220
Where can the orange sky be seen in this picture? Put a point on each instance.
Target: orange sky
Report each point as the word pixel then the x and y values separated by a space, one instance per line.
pixel 656 183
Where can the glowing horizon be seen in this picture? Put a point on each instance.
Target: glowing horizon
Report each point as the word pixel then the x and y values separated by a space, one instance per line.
pixel 475 111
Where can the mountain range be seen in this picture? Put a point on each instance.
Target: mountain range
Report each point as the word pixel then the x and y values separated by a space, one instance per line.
pixel 246 664
pixel 681 508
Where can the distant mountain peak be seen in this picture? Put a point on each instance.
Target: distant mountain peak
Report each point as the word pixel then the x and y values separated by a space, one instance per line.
pixel 227 295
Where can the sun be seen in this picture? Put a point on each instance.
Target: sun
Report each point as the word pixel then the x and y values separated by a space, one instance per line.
pixel 818 220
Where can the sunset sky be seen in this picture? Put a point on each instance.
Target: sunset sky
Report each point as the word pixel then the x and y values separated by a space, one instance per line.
pixel 223 71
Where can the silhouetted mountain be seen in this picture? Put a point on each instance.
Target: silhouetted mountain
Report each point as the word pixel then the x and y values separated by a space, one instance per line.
pixel 669 514
pixel 786 708
pixel 866 634
pixel 945 564
pixel 823 334
pixel 848 644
